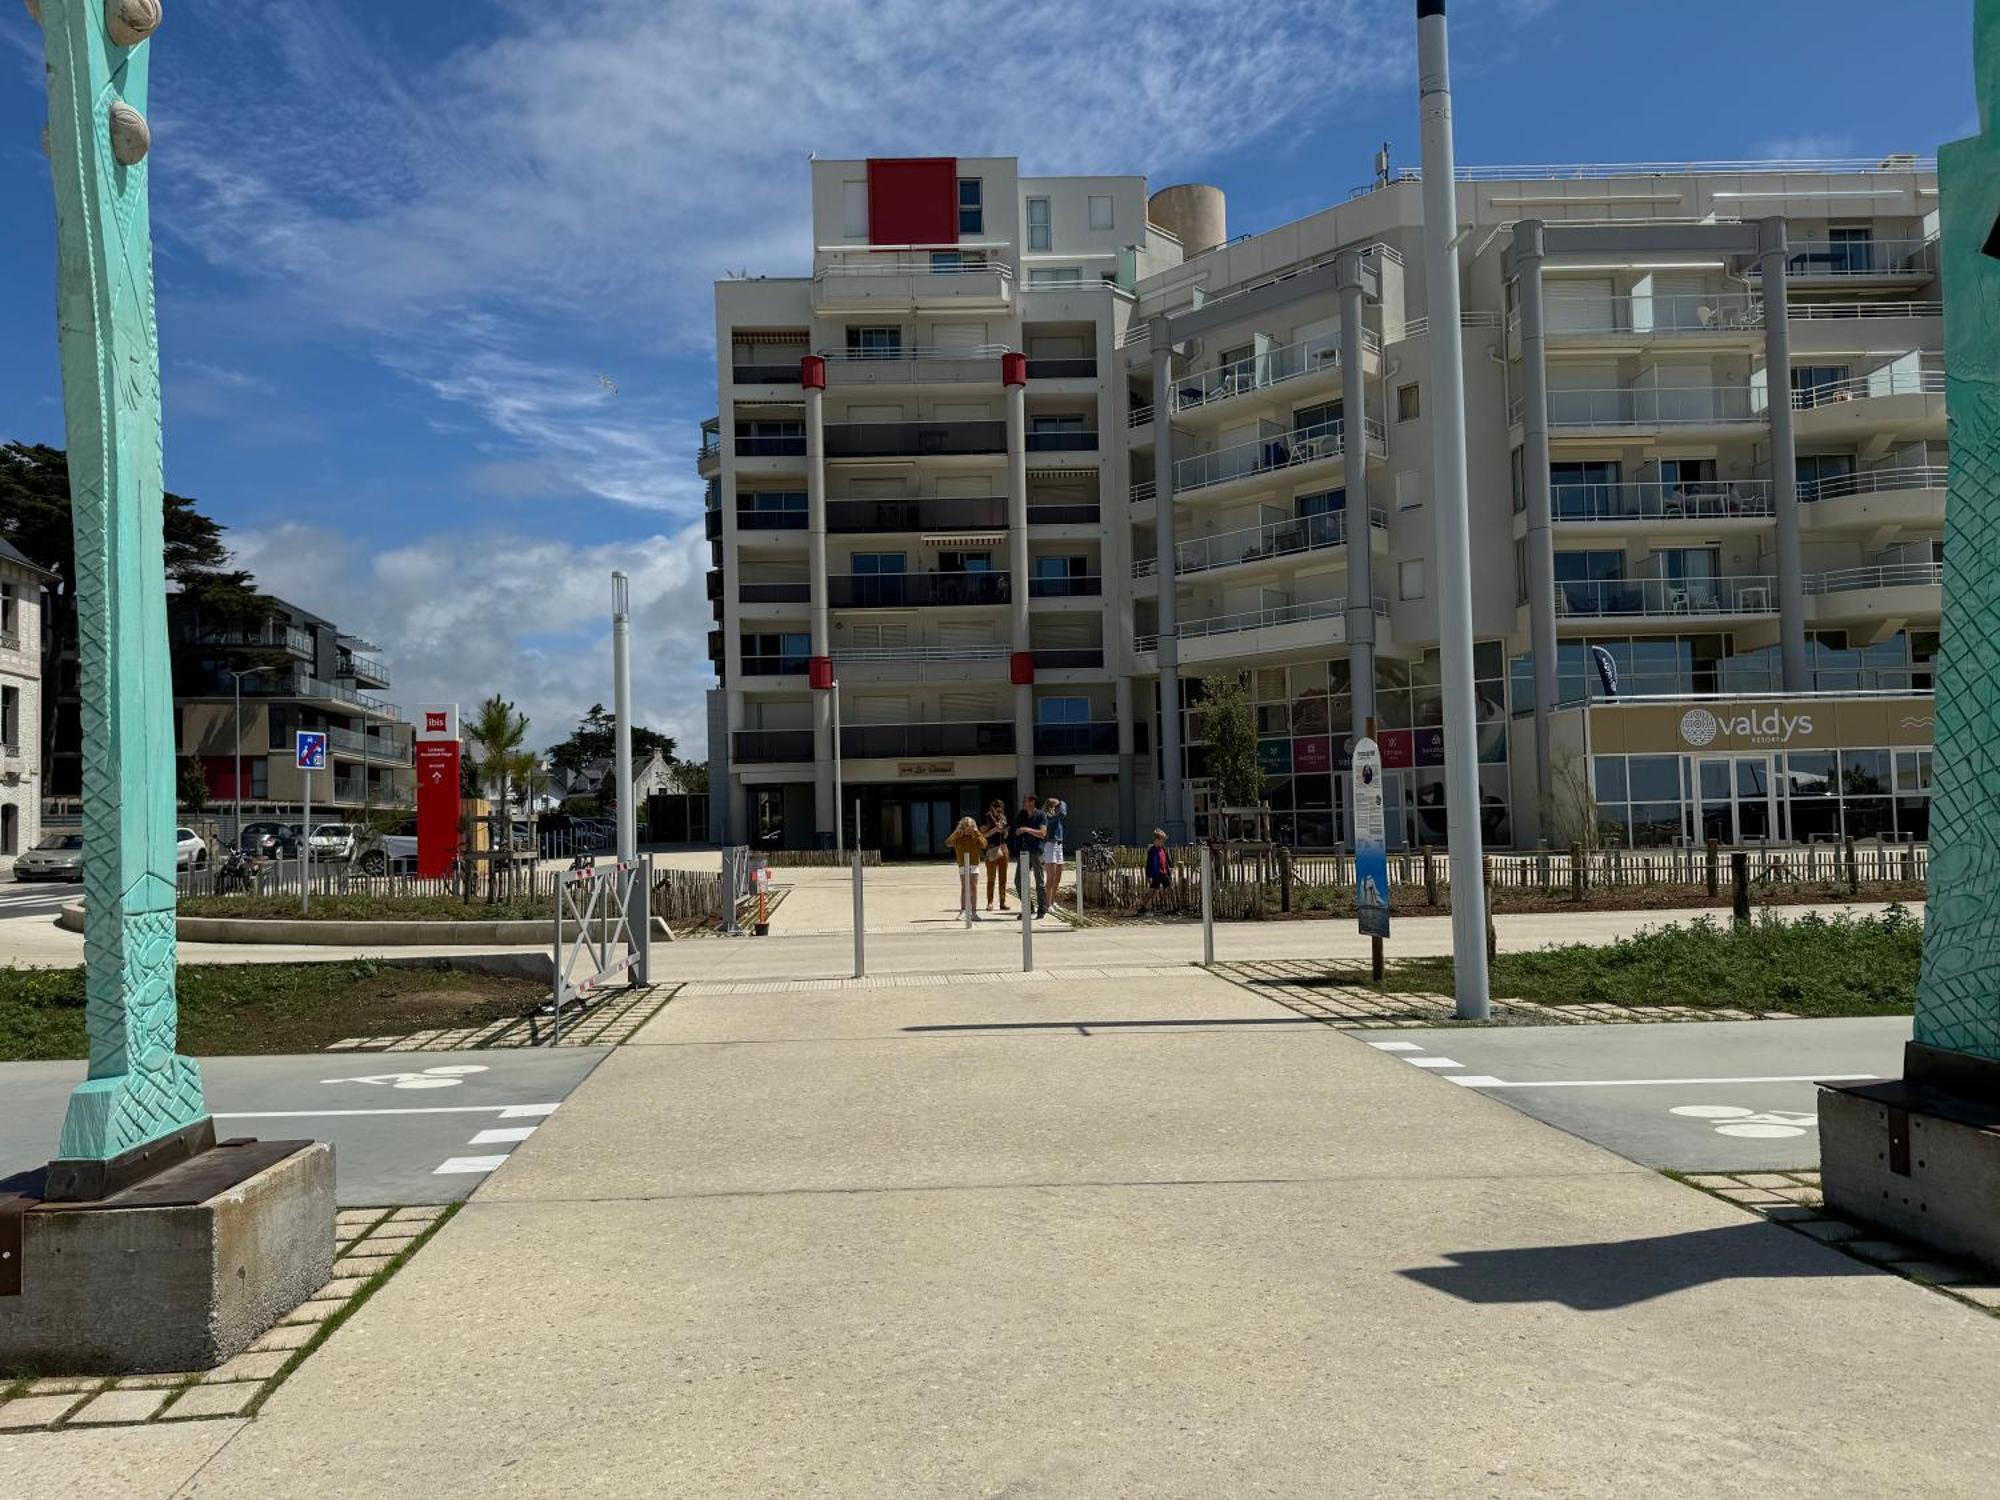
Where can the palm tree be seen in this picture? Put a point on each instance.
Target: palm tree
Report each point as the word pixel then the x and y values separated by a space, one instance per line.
pixel 499 732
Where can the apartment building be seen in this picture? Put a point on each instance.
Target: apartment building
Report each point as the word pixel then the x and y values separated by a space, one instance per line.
pixel 296 671
pixel 21 581
pixel 1026 460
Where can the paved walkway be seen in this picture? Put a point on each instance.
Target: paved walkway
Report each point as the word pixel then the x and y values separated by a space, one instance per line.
pixel 1159 1237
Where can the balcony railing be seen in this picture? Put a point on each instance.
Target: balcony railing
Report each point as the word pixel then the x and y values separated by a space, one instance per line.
pixel 1890 382
pixel 1069 658
pixel 895 741
pixel 774 666
pixel 1258 372
pixel 750 746
pixel 349 789
pixel 1062 442
pixel 1651 406
pixel 1880 576
pixel 1278 614
pixel 1062 512
pixel 1875 482
pixel 1860 257
pixel 1655 500
pixel 1601 597
pixel 272 634
pixel 335 692
pixel 922 663
pixel 918 513
pixel 1815 311
pixel 372 667
pixel 776 445
pixel 762 518
pixel 368 746
pixel 914 365
pixel 1302 445
pixel 1140 415
pixel 1255 543
pixel 915 590
pixel 10 640
pixel 1669 312
pixel 878 263
pixel 1072 367
pixel 913 439
pixel 786 373
pixel 789 591
pixel 1065 588
pixel 1142 490
pixel 1076 739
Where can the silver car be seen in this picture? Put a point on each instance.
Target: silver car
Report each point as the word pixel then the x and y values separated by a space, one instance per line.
pixel 56 856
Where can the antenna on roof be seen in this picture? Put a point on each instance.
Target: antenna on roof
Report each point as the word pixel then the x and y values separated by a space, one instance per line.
pixel 1382 166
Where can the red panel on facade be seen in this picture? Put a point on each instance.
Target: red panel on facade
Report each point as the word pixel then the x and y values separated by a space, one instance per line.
pixel 1021 669
pixel 812 372
pixel 819 672
pixel 437 807
pixel 1013 369
pixel 913 200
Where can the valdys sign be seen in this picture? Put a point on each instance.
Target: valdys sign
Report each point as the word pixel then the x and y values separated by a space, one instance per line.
pixel 1702 727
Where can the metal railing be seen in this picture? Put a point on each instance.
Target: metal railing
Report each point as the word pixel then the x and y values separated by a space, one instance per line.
pixel 1597 171
pixel 908 439
pixel 10 640
pixel 1600 597
pixel 1095 738
pixel 757 518
pixel 1860 257
pixel 1278 614
pixel 1812 311
pixel 1073 587
pixel 1139 416
pixel 918 513
pixel 1142 490
pixel 1668 312
pixel 1650 406
pixel 1880 576
pixel 766 374
pixel 882 264
pixel 1063 512
pixel 785 591
pixel 1257 372
pixel 1265 455
pixel 1656 500
pixel 335 692
pixel 354 665
pixel 911 590
pixel 922 663
pixel 1417 328
pixel 1893 381
pixel 1875 482
pixel 298 642
pixel 915 353
pixel 1284 538
pixel 893 741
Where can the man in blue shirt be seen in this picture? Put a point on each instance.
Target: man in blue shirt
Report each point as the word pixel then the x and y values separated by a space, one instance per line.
pixel 1030 830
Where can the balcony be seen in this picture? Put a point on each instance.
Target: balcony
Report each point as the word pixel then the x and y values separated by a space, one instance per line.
pixel 1900 401
pixel 922 664
pixel 1260 372
pixel 1880 576
pixel 1143 492
pixel 917 590
pixel 1893 381
pixel 1062 442
pixel 946 280
pixel 1065 588
pixel 1303 626
pixel 765 746
pixel 1069 658
pixel 1650 407
pixel 369 669
pixel 270 635
pixel 1259 543
pixel 717 652
pixel 918 513
pixel 913 439
pixel 1691 313
pixel 1062 512
pixel 1879 593
pixel 772 666
pixel 1609 598
pixel 1077 367
pixel 712 582
pixel 774 445
pixel 900 741
pixel 709 454
pixel 1076 739
pixel 1893 260
pixel 1267 455
pixel 1913 496
pixel 1654 500
pixel 301 686
pixel 1265 619
pixel 368 747
pixel 711 524
pixel 790 591
pixel 786 373
pixel 915 366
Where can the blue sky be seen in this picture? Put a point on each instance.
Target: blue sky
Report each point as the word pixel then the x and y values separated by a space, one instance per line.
pixel 434 277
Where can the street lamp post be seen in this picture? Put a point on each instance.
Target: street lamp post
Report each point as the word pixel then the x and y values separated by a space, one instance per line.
pixel 839 822
pixel 236 684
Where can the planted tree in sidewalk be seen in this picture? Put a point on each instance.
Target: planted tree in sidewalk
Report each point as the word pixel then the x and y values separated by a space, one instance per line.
pixel 1230 726
pixel 499 732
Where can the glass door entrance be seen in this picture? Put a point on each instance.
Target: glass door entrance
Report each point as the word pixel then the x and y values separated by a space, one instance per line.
pixel 1736 799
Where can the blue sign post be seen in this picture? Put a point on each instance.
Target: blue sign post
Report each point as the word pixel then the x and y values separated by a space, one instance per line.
pixel 311 758
pixel 1371 847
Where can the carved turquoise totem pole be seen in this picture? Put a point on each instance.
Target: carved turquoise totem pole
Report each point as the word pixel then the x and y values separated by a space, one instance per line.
pixel 139 1089
pixel 1958 1000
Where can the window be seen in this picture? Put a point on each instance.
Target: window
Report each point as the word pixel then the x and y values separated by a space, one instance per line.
pixel 964 562
pixel 1055 276
pixel 971 207
pixel 1409 402
pixel 1316 419
pixel 10 610
pixel 1411 576
pixel 1062 711
pixel 1588 492
pixel 1038 224
pixel 1409 489
pixel 1061 422
pixel 10 829
pixel 1850 248
pixel 882 562
pixel 854 209
pixel 1818 470
pixel 1815 385
pixel 10 717
pixel 947 260
pixel 874 342
pixel 1100 211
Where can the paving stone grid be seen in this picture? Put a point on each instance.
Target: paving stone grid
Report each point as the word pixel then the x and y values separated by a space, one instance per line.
pixel 1305 986
pixel 369 1245
pixel 703 988
pixel 609 1023
pixel 1793 1199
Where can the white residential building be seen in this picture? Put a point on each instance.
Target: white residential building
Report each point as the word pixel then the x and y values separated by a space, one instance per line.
pixel 21 582
pixel 939 476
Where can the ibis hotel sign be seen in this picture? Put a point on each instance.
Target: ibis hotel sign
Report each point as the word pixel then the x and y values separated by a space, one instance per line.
pixel 1727 725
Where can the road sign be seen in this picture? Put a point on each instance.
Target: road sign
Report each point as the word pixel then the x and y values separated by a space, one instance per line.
pixel 312 749
pixel 1371 849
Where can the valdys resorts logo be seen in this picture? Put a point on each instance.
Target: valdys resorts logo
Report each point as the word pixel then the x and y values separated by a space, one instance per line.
pixel 1700 727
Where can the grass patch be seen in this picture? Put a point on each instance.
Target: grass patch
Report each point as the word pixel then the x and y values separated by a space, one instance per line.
pixel 236 1009
pixel 354 907
pixel 1811 965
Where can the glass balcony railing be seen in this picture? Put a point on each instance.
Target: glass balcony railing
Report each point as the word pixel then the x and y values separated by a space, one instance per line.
pixel 918 513
pixel 895 741
pixel 1064 441
pixel 1875 482
pixel 1274 539
pixel 1302 445
pixel 1652 406
pixel 768 372
pixel 1667 312
pixel 771 445
pixel 1069 587
pixel 788 591
pixel 1895 381
pixel 1258 372
pixel 751 746
pixel 1871 257
pixel 1076 739
pixel 1607 597
pixel 916 590
pixel 1904 575
pixel 913 439
pixel 774 666
pixel 1069 658
pixel 1262 619
pixel 1656 500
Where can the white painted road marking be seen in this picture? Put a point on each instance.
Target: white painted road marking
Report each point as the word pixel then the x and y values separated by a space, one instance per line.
pixel 1433 1062
pixel 504 1111
pixel 1395 1046
pixel 463 1165
pixel 430 1078
pixel 1733 1119
pixel 527 1111
pixel 1475 1080
pixel 1622 1083
pixel 503 1136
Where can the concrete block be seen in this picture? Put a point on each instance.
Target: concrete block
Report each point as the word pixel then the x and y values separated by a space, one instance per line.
pixel 130 1291
pixel 1948 1202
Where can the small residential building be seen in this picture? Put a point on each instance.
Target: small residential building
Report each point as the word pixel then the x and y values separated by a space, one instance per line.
pixel 21 581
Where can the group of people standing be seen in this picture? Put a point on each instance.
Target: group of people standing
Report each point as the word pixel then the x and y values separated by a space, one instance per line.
pixel 1032 839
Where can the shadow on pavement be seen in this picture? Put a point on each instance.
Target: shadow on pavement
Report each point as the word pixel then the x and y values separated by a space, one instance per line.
pixel 1086 1027
pixel 1620 1273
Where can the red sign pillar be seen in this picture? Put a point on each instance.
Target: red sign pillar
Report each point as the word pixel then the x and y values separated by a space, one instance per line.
pixel 438 754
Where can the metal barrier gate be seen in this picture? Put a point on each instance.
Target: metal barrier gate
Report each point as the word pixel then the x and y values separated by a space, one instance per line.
pixel 600 908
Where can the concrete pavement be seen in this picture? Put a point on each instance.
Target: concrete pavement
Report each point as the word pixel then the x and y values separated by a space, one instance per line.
pixel 947 1241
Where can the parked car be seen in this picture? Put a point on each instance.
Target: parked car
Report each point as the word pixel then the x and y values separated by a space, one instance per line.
pixel 393 849
pixel 255 836
pixel 56 856
pixel 190 850
pixel 279 841
pixel 334 841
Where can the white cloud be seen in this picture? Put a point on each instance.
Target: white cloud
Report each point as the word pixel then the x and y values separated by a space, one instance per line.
pixel 461 615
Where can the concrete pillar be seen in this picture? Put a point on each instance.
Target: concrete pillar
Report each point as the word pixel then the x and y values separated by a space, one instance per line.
pixel 1354 447
pixel 1530 249
pixel 1772 253
pixel 1128 764
pixel 812 378
pixel 1173 783
pixel 1014 376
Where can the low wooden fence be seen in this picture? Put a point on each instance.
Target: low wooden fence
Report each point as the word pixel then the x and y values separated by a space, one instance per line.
pixel 816 859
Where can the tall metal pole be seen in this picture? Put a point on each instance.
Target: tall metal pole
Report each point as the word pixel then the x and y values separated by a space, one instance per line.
pixel 1454 551
pixel 236 834
pixel 839 822
pixel 621 702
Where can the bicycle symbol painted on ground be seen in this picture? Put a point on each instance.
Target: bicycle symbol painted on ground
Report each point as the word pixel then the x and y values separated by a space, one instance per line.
pixel 431 1078
pixel 1749 1124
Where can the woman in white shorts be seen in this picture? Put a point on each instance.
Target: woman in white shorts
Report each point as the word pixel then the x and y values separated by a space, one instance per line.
pixel 1057 812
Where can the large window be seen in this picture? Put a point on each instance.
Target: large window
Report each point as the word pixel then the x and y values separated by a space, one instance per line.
pixel 1816 470
pixel 1040 235
pixel 971 206
pixel 875 341
pixel 1584 491
pixel 1062 711
pixel 1100 211
pixel 1814 385
pixel 874 564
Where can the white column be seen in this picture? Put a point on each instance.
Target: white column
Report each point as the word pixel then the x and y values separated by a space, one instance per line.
pixel 1173 784
pixel 1014 372
pixel 813 379
pixel 1772 254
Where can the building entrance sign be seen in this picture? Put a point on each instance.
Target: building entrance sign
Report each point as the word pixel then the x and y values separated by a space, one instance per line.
pixel 1371 848
pixel 438 754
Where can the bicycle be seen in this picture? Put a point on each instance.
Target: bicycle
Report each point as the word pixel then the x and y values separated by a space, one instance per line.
pixel 1100 853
